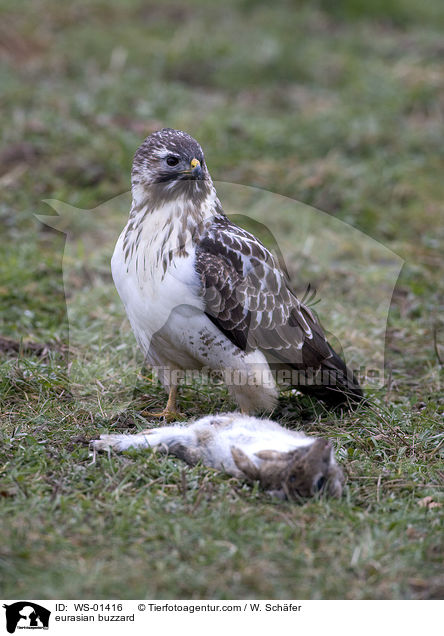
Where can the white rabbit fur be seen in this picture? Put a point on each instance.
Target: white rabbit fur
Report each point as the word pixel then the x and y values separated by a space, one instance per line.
pixel 287 463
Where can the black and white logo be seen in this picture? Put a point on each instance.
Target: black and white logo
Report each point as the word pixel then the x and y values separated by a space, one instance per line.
pixel 26 615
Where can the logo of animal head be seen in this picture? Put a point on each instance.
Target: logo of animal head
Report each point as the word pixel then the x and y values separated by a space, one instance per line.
pixel 26 615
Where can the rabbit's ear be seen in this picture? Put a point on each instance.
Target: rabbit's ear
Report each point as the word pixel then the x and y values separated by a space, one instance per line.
pixel 320 450
pixel 272 455
pixel 244 463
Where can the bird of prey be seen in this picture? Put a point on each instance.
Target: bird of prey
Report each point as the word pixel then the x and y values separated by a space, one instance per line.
pixel 202 293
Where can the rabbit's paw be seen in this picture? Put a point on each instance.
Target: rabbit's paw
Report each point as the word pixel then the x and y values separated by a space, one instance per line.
pixel 115 442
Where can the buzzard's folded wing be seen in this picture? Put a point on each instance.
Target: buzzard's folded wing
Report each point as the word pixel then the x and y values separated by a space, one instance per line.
pixel 247 296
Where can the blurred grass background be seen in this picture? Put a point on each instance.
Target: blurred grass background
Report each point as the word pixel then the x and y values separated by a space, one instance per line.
pixel 339 106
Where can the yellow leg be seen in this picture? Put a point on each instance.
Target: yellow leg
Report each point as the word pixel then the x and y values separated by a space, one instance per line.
pixel 170 412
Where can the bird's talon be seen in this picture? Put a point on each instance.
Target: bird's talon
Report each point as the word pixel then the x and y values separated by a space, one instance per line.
pixel 169 416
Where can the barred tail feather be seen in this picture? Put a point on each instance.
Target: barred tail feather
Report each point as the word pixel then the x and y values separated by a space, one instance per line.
pixel 334 384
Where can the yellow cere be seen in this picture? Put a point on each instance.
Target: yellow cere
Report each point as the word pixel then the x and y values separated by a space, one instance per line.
pixel 194 163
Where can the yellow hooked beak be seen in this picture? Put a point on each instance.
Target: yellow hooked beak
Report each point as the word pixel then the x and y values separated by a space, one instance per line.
pixel 194 163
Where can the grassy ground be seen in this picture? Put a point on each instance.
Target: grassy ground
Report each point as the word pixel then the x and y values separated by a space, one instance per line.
pixel 338 108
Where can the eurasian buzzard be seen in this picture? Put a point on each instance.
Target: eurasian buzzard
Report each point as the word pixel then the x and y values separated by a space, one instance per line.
pixel 201 292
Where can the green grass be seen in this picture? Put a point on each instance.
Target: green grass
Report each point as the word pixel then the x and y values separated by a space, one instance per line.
pixel 337 107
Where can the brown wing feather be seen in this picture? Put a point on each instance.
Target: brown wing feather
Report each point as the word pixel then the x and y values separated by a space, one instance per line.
pixel 248 297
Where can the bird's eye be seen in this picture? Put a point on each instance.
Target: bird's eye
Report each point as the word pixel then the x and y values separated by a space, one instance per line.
pixel 172 160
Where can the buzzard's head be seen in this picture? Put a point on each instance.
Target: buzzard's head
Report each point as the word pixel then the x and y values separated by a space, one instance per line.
pixel 169 163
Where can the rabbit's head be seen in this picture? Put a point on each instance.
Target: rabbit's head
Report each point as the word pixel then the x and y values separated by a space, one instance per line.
pixel 314 471
pixel 296 474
